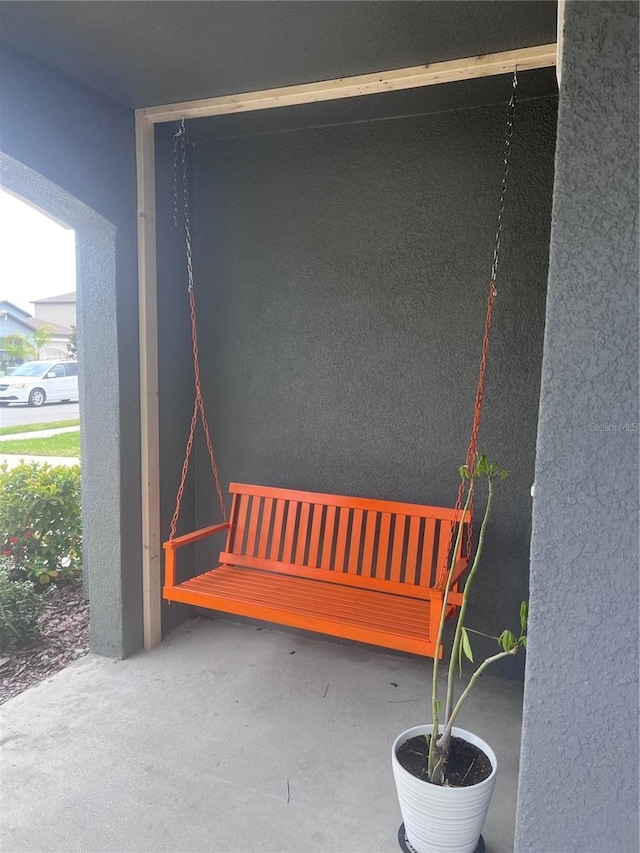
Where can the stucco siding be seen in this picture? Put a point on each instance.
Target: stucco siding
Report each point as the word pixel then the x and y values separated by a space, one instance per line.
pixel 578 787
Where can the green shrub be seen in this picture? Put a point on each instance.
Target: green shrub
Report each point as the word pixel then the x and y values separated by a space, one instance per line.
pixel 19 610
pixel 40 523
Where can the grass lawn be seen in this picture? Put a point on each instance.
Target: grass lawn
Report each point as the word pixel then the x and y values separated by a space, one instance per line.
pixel 14 430
pixel 64 444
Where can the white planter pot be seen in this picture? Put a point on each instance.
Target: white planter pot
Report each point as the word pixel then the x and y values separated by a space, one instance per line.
pixel 439 819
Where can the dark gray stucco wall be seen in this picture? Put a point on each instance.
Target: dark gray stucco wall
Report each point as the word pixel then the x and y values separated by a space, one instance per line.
pixel 341 277
pixel 83 142
pixel 578 788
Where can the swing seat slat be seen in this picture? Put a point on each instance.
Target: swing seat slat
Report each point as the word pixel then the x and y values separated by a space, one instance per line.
pixel 350 567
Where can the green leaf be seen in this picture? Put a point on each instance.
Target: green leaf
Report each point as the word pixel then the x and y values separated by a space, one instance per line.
pixel 523 641
pixel 524 616
pixel 507 640
pixel 466 645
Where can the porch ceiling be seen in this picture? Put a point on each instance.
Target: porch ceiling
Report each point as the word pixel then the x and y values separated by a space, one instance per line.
pixel 149 53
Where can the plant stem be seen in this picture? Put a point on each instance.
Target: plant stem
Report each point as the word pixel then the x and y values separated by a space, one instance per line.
pixel 443 614
pixel 463 609
pixel 482 634
pixel 449 725
pixel 7 621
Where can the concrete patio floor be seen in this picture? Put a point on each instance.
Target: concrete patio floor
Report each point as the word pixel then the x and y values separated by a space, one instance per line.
pixel 223 739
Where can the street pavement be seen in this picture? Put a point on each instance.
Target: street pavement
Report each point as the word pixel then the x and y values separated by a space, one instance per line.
pixel 17 415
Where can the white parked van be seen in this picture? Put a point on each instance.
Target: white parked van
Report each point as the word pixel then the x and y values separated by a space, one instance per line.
pixel 39 382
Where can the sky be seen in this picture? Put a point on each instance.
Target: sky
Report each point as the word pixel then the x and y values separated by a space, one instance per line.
pixel 37 255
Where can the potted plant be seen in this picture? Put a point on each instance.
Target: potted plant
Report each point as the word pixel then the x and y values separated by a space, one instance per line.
pixel 445 783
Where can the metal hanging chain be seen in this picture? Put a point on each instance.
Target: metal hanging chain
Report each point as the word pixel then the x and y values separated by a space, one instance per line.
pixel 511 112
pixel 472 450
pixel 180 142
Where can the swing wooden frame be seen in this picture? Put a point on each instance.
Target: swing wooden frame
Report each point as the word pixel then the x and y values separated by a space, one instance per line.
pixel 351 567
pixel 485 65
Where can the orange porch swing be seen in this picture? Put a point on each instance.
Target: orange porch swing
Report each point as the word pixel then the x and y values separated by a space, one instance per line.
pixel 368 570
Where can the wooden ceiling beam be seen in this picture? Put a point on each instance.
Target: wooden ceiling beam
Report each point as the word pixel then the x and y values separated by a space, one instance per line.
pixel 451 71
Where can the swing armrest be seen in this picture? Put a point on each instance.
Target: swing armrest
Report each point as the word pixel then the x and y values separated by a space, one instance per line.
pixel 458 570
pixel 188 538
pixel 172 546
pixel 454 598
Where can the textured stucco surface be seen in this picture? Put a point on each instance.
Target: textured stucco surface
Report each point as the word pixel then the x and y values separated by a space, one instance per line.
pixel 81 142
pixel 578 788
pixel 341 280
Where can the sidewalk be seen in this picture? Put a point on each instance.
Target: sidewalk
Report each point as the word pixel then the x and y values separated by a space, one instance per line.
pixel 15 459
pixel 41 433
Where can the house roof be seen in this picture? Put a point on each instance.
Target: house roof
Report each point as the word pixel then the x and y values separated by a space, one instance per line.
pixel 163 51
pixel 56 330
pixel 31 323
pixel 17 318
pixel 13 310
pixel 63 297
